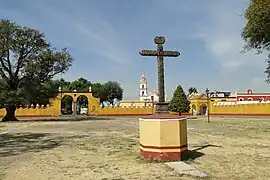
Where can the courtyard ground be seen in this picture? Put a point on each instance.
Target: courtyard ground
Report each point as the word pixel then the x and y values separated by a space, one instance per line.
pixel 225 148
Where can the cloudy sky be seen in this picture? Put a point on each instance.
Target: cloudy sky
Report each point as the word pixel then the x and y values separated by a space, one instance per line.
pixel 105 36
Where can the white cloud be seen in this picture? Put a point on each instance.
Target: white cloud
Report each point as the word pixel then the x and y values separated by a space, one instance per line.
pixel 222 39
pixel 74 24
pixel 222 35
pixel 217 24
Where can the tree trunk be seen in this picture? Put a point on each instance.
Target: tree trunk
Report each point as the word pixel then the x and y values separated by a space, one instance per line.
pixel 180 113
pixel 10 114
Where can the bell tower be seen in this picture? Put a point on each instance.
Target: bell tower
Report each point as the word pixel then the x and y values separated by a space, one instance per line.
pixel 143 87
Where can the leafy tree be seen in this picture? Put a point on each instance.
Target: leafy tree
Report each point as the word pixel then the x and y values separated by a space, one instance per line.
pixel 63 84
pixel 256 32
pixel 113 91
pixel 98 91
pixel 27 64
pixel 43 92
pixel 179 102
pixel 192 90
pixel 81 85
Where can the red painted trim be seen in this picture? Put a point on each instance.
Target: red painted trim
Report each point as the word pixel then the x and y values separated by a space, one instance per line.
pixel 164 156
pixel 122 114
pixel 141 115
pixel 36 115
pixel 231 97
pixel 263 94
pixel 144 115
pixel 164 147
pixel 163 116
pixel 222 114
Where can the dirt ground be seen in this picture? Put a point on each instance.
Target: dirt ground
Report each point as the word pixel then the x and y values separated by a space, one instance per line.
pixel 225 148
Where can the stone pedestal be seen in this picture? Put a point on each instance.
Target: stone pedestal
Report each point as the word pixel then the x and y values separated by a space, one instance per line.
pixel 162 108
pixel 163 137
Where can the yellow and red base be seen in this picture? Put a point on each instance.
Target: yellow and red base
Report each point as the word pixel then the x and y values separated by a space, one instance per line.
pixel 163 137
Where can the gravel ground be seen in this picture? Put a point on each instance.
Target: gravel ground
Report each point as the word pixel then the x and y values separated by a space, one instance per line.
pixel 76 150
pixel 225 148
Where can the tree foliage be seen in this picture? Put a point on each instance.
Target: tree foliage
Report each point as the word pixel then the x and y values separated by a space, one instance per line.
pixel 81 84
pixel 179 102
pixel 98 91
pixel 192 90
pixel 113 90
pixel 256 32
pixel 27 64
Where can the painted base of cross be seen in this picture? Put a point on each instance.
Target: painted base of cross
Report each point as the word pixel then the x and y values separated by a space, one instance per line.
pixel 163 137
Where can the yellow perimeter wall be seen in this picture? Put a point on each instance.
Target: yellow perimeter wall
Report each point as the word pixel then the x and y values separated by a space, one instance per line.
pixel 198 101
pixel 54 109
pixel 260 109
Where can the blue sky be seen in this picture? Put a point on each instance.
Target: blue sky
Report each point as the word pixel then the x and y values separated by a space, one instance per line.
pixel 105 36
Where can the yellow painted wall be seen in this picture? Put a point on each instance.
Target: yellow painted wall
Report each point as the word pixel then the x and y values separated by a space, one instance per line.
pixel 260 109
pixel 34 112
pixel 124 111
pixel 241 109
pixel 223 99
pixel 128 103
pixel 54 109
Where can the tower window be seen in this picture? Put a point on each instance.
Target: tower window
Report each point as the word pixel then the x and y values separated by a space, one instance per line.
pixel 142 86
pixel 142 93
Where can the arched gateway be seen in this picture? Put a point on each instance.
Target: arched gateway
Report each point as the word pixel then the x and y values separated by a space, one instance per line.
pixel 72 98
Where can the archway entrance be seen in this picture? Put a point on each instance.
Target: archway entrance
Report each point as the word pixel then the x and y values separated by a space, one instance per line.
pixel 203 109
pixel 82 105
pixel 194 112
pixel 66 105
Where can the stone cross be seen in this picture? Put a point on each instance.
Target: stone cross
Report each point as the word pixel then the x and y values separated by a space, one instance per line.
pixel 161 106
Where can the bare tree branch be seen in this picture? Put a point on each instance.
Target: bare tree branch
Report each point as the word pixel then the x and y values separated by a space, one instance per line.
pixel 5 67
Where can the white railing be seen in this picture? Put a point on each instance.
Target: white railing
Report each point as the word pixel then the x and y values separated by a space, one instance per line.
pixel 239 102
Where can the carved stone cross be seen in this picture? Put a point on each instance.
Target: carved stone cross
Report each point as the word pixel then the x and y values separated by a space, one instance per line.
pixel 161 106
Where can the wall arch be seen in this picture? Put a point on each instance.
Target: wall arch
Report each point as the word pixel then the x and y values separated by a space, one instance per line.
pixel 82 104
pixel 203 109
pixel 66 105
pixel 93 102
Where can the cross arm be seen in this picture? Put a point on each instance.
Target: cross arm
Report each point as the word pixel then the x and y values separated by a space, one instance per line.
pixel 162 53
pixel 148 53
pixel 170 53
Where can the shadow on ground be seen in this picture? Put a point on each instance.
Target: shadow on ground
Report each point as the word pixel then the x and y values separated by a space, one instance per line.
pixel 66 118
pixel 61 118
pixel 194 154
pixel 18 143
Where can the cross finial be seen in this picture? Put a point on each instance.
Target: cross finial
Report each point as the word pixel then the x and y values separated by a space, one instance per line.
pixel 159 40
